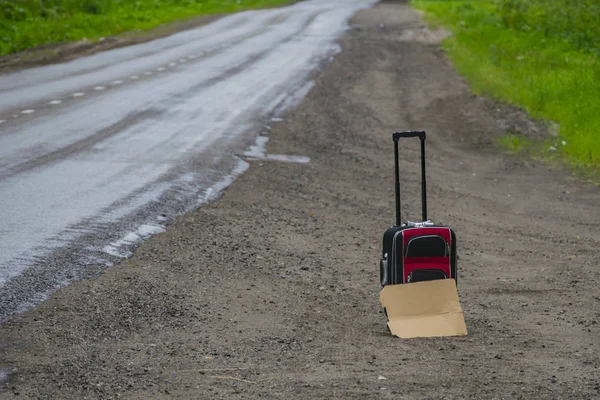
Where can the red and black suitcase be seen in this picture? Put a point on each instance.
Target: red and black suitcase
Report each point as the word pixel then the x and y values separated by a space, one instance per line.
pixel 416 251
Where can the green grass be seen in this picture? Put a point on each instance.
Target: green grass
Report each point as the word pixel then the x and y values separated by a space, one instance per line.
pixel 29 23
pixel 541 55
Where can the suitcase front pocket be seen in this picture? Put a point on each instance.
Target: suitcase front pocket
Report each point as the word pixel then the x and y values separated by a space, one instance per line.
pixel 420 275
pixel 427 246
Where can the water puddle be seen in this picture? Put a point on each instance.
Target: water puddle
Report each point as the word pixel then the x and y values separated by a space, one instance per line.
pixel 258 152
pixel 291 159
pixel 119 247
pixel 3 378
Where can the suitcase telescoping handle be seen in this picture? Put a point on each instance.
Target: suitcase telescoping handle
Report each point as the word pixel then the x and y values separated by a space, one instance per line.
pixel 421 136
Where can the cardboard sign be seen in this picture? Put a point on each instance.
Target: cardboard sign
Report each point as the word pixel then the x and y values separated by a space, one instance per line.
pixel 424 309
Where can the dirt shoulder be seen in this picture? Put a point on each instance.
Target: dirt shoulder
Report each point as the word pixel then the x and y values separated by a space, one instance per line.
pixel 272 291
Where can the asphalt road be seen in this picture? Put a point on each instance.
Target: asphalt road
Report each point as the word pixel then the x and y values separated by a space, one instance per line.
pixel 98 153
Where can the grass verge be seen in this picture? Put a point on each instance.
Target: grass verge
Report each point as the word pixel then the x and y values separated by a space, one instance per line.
pixel 26 24
pixel 541 55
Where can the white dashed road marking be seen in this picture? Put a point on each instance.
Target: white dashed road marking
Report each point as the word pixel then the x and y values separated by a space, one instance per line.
pixel 132 77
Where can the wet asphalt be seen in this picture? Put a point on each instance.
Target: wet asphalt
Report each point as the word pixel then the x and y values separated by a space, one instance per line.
pixel 99 153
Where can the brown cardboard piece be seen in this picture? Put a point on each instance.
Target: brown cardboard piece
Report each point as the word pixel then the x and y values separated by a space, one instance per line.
pixel 424 309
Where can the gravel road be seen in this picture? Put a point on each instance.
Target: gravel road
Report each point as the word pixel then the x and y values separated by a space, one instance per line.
pixel 272 291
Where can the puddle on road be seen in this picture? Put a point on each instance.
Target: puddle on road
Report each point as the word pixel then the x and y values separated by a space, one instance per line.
pixel 119 247
pixel 3 378
pixel 291 159
pixel 258 152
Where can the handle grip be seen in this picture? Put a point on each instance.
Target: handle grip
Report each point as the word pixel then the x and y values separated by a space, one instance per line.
pixel 409 134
